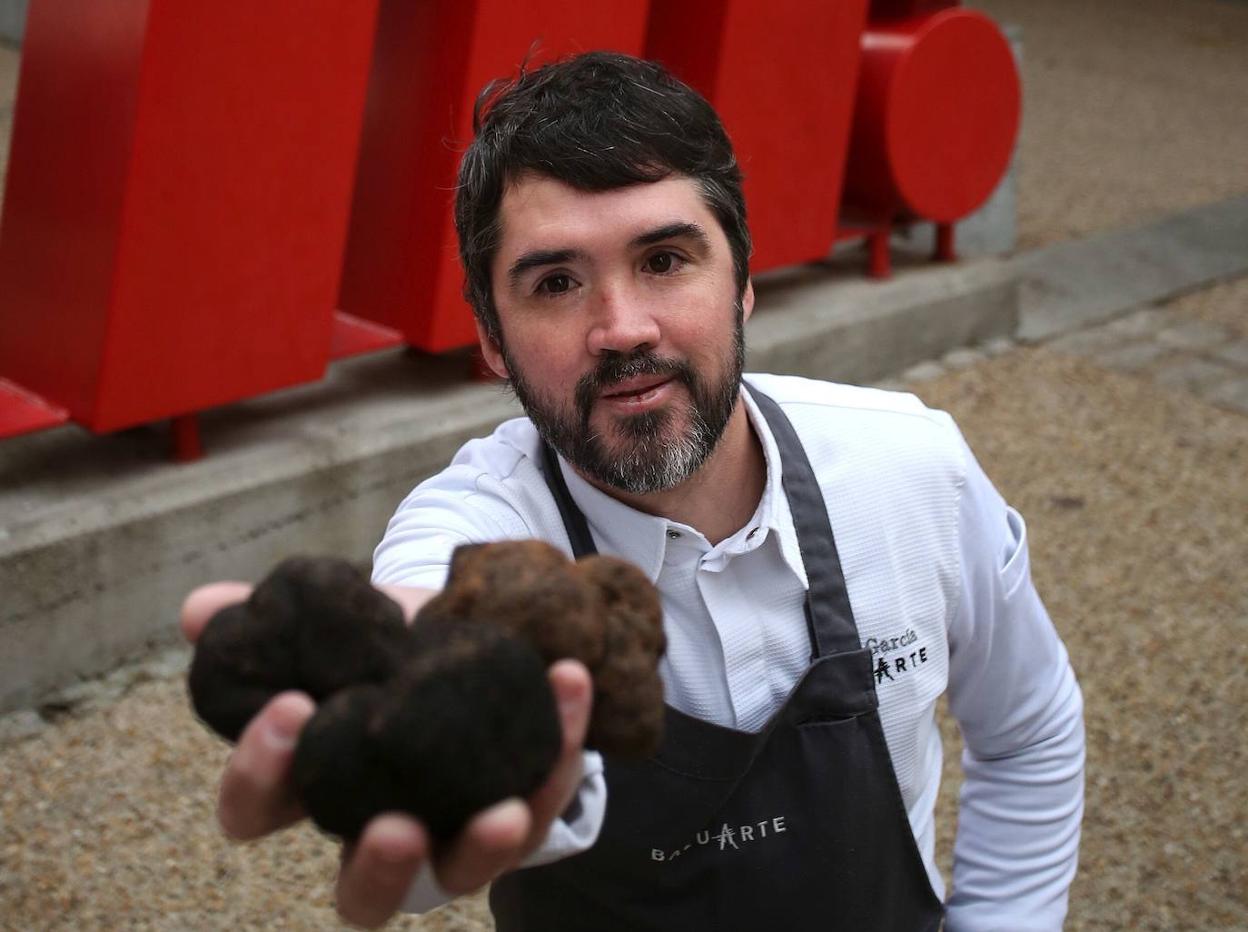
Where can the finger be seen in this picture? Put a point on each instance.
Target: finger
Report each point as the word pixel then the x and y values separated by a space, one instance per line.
pixel 206 601
pixel 378 870
pixel 489 844
pixel 574 692
pixel 255 791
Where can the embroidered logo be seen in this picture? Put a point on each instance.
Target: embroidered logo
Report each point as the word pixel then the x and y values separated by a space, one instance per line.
pixel 896 655
pixel 726 837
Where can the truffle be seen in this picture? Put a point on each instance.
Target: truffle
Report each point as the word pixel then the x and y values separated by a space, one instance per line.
pixel 599 610
pixel 314 624
pixel 470 719
pixel 454 714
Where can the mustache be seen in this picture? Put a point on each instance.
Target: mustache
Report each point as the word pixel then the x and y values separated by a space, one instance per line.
pixel 616 367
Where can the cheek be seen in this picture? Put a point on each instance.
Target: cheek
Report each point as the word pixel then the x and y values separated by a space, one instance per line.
pixel 705 330
pixel 543 350
pixel 547 366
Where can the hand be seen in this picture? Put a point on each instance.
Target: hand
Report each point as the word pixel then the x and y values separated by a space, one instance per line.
pixel 377 870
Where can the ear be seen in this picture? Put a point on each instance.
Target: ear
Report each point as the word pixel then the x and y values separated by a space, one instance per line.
pixel 747 300
pixel 490 352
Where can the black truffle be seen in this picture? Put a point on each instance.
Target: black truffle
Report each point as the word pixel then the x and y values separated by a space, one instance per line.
pixel 469 720
pixel 314 624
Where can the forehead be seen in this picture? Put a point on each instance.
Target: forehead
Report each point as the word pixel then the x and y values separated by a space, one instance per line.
pixel 539 212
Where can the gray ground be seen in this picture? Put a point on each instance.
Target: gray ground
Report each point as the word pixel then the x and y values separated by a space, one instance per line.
pixel 1131 110
pixel 1134 484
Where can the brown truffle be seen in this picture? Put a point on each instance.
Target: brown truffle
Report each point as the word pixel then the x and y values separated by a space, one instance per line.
pixel 529 587
pixel 599 610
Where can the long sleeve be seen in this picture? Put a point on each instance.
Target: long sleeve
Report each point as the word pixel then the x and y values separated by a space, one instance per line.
pixel 1014 695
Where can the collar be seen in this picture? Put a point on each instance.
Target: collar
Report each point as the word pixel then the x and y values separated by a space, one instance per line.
pixel 643 539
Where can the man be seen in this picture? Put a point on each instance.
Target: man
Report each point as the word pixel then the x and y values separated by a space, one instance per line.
pixel 831 559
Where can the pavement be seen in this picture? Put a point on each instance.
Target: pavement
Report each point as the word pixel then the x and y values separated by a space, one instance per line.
pixel 1111 412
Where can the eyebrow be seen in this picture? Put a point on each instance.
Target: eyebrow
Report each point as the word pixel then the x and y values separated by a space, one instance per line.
pixel 679 229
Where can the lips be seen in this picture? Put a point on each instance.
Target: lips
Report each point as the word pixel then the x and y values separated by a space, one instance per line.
pixel 629 385
pixel 636 387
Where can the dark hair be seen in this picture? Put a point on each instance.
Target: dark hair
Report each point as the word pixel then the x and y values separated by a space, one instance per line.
pixel 598 121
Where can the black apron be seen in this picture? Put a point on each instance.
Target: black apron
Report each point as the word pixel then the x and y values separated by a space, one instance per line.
pixel 799 826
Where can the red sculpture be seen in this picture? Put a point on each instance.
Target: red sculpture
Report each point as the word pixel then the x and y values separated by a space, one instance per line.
pixel 934 124
pixel 204 204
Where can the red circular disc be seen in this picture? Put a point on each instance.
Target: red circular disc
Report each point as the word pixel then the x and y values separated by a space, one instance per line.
pixel 952 115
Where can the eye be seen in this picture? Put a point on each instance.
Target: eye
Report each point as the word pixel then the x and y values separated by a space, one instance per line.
pixel 555 284
pixel 660 263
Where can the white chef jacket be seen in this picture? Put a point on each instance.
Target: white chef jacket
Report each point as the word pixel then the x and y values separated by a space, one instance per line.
pixel 937 571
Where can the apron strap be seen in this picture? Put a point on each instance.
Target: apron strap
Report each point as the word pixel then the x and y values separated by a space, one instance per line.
pixel 828 612
pixel 573 519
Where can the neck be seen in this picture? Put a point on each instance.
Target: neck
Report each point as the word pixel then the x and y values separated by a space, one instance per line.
pixel 721 496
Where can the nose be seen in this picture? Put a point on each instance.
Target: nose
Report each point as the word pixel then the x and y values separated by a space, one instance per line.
pixel 623 322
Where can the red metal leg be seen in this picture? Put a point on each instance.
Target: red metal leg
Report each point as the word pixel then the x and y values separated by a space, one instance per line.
pixel 880 262
pixel 186 444
pixel 945 248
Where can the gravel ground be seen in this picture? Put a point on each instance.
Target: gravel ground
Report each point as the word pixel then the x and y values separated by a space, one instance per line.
pixel 1130 110
pixel 1136 497
pixel 1225 305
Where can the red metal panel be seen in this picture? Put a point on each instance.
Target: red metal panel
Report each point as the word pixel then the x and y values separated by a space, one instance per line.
pixel 196 258
pixel 236 218
pixel 431 59
pixel 21 412
pixel 353 336
pixel 781 73
pixel 937 115
pixel 72 126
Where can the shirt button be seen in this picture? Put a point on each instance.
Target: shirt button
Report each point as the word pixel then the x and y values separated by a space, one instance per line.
pixel 673 535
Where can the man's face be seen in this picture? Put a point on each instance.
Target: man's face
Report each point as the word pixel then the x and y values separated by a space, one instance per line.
pixel 621 326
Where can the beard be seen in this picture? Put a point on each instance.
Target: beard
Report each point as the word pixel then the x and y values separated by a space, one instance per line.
pixel 652 451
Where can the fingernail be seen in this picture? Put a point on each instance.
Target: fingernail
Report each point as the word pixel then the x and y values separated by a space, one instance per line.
pixel 507 809
pixel 571 702
pixel 392 841
pixel 285 718
pixel 279 737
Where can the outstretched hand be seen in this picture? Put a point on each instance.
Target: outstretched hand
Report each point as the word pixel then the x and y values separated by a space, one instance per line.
pixel 377 870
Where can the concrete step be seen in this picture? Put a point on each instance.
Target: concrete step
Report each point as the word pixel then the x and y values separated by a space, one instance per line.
pixel 1072 284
